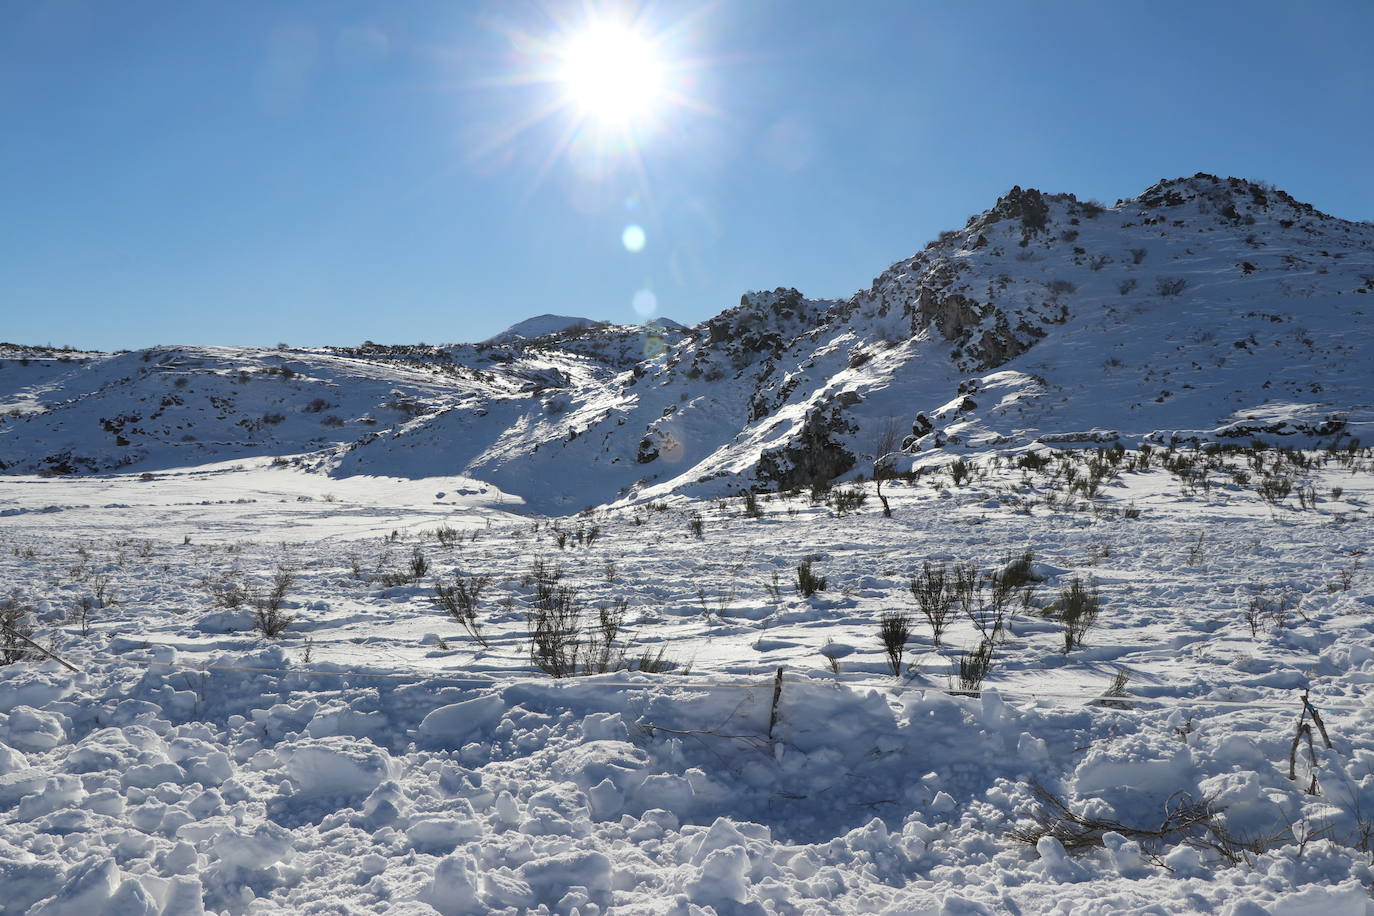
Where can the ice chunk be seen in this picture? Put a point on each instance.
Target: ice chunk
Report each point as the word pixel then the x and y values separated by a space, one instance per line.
pixel 722 878
pixel 1185 862
pixel 38 689
pixel 11 760
pixel 1136 775
pixel 264 847
pixel 19 783
pixel 229 621
pixel 722 835
pixel 1055 862
pixel 604 726
pixel 28 729
pixel 61 791
pixel 664 790
pixel 595 761
pixel 150 776
pixel 185 897
pixel 550 877
pixel 507 809
pixel 131 900
pixel 1347 899
pixel 24 878
pixel 86 889
pixel 450 727
pixel 1125 856
pixel 338 766
pixel 442 833
pixel 453 891
pixel 607 802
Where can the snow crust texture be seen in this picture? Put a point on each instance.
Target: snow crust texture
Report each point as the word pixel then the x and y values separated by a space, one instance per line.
pixel 376 758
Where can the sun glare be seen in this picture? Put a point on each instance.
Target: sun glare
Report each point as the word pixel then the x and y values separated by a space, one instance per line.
pixel 612 74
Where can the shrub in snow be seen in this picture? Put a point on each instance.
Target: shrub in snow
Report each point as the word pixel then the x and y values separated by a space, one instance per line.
pixel 894 629
pixel 848 499
pixel 1274 488
pixel 934 597
pixel 15 629
pixel 808 583
pixel 555 624
pixel 459 601
pixel 1078 607
pixel 973 666
pixel 268 617
pixel 1170 286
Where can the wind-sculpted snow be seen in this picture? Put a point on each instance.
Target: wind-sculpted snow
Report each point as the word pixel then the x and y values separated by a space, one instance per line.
pixel 375 757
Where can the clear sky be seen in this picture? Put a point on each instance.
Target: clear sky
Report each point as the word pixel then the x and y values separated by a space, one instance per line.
pixel 329 172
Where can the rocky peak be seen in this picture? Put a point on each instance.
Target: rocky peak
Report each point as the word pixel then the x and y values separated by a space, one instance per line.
pixel 1230 197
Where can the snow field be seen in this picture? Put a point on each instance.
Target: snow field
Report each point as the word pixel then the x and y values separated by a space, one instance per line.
pixel 375 758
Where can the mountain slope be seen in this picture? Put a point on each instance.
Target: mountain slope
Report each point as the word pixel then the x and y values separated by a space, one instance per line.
pixel 1203 309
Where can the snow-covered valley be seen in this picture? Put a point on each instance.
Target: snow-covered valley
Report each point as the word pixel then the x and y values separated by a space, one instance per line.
pixel 617 620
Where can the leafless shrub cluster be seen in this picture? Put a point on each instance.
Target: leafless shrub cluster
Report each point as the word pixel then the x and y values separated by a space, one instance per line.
pixel 934 598
pixel 268 617
pixel 894 629
pixel 460 600
pixel 15 630
pixel 808 583
pixel 1192 822
pixel 974 666
pixel 1078 607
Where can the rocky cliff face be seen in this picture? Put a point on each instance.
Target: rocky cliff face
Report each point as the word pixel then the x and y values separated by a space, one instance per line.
pixel 1201 307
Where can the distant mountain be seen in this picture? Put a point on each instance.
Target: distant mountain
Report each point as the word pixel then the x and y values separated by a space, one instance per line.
pixel 542 326
pixel 1204 309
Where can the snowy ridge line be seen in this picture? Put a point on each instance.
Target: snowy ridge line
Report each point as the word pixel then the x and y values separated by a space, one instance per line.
pixel 417 676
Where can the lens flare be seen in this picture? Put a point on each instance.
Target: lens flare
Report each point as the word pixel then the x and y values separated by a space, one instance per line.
pixel 670 448
pixel 633 238
pixel 645 302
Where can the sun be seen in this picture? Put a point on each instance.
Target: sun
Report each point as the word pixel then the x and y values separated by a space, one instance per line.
pixel 599 91
pixel 612 74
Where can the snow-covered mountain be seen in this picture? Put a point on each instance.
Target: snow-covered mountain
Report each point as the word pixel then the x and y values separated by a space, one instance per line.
pixel 542 326
pixel 1204 309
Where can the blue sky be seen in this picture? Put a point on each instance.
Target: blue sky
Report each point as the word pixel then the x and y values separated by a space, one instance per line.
pixel 325 173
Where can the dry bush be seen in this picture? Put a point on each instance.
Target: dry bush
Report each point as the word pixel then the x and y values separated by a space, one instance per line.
pixel 460 600
pixel 934 598
pixel 1078 608
pixel 14 630
pixel 894 629
pixel 1192 822
pixel 974 666
pixel 808 583
pixel 268 617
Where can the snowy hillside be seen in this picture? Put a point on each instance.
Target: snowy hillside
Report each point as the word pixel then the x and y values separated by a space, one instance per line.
pixel 1204 309
pixel 1033 578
